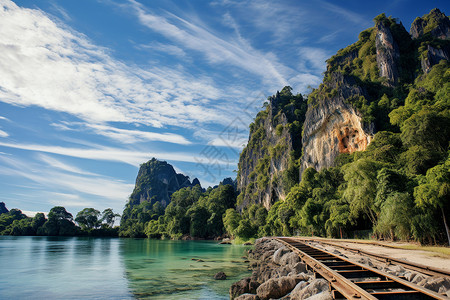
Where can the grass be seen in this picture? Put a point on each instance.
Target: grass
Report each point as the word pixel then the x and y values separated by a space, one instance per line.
pixel 240 241
pixel 443 252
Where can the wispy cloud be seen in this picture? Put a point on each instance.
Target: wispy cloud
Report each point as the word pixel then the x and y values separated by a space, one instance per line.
pixel 346 14
pixel 134 158
pixel 61 11
pixel 216 49
pixel 312 58
pixel 165 49
pixel 47 64
pixel 3 134
pixel 56 180
pixel 57 164
pixel 125 136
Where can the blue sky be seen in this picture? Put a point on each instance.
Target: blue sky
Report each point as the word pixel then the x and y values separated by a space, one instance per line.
pixel 91 89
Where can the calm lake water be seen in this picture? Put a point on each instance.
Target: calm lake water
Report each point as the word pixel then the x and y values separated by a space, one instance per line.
pixel 112 268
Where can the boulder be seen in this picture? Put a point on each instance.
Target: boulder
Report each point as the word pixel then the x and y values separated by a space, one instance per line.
pixel 299 268
pixel 300 286
pixel 279 254
pixel 247 297
pixel 439 285
pixel 277 287
pixel 289 259
pixel 281 271
pixel 267 256
pixel 243 286
pixel 410 275
pixel 316 286
pixel 220 276
pixel 418 279
pixel 366 261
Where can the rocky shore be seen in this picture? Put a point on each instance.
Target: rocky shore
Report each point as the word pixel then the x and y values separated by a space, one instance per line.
pixel 278 273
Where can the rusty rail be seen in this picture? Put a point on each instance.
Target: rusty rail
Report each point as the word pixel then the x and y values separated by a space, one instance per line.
pixel 351 280
pixel 431 271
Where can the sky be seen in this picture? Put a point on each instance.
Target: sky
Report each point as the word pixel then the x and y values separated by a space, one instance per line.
pixel 91 89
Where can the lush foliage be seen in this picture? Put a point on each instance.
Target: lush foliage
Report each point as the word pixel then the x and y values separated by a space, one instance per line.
pixel 399 188
pixel 59 223
pixel 192 212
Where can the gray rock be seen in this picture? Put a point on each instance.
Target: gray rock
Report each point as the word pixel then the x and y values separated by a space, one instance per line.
pixel 366 261
pixel 289 259
pixel 281 271
pixel 316 286
pixel 300 286
pixel 279 253
pixel 410 275
pixel 439 284
pixel 321 296
pixel 277 287
pixel 299 268
pixel 243 286
pixel 247 297
pixel 418 279
pixel 220 276
pixel 267 256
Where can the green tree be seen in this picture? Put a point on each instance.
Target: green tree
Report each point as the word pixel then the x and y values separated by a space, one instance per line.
pixel 108 216
pixel 88 219
pixel 434 191
pixel 231 221
pixel 38 221
pixel 361 177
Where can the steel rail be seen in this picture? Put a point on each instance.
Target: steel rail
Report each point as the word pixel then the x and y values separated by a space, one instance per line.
pixel 344 276
pixel 431 271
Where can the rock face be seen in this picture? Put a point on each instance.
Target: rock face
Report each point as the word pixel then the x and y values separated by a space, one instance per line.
pixel 3 208
pixel 436 23
pixel 433 32
pixel 432 57
pixel 157 181
pixel 334 126
pixel 388 54
pixel 269 152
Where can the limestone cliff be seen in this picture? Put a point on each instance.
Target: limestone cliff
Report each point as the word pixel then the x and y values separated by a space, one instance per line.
pixel 363 83
pixel 267 169
pixel 334 126
pixel 435 23
pixel 156 182
pixel 432 33
pixel 388 54
pixel 3 208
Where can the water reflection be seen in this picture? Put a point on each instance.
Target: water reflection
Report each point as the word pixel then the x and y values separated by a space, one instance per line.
pixel 61 268
pixel 180 269
pixel 111 268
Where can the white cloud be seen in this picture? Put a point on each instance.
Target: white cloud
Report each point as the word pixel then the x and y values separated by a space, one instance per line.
pixel 3 134
pixel 57 164
pixel 347 14
pixel 74 184
pixel 166 49
pixel 125 136
pixel 312 58
pixel 216 49
pixel 134 158
pixel 47 64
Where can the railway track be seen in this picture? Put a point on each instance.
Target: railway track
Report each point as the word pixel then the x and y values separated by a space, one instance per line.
pixel 386 259
pixel 351 280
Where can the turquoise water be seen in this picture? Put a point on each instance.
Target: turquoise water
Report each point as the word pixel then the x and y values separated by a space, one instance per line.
pixel 102 268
